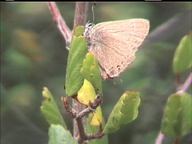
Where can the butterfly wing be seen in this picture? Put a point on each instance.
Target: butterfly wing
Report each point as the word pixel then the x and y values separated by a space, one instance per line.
pixel 115 43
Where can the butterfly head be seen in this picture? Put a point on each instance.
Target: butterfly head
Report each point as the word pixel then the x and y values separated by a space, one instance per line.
pixel 87 31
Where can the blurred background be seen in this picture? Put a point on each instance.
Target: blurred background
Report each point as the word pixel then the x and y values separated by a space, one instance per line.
pixel 33 56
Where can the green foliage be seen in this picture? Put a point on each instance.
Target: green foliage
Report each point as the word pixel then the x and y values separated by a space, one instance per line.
pixel 176 120
pixel 183 54
pixel 90 71
pixel 125 111
pixel 59 135
pixel 26 43
pixel 50 109
pixel 78 50
pixel 20 97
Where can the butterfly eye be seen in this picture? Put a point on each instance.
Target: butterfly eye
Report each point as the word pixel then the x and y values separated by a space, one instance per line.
pixel 89 25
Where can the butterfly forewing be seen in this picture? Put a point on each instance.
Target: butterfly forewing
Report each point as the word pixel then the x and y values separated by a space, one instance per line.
pixel 115 43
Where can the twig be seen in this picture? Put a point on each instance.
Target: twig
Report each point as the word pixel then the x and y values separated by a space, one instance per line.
pixel 80 19
pixel 186 84
pixel 92 107
pixel 80 14
pixel 180 90
pixel 77 118
pixel 68 109
pixel 81 130
pixel 159 138
pixel 94 136
pixel 82 135
pixel 57 18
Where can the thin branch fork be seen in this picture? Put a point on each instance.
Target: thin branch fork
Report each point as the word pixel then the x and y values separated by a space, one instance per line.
pixel 83 136
pixel 91 108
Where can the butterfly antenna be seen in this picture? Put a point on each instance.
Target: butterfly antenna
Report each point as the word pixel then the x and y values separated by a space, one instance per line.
pixel 94 4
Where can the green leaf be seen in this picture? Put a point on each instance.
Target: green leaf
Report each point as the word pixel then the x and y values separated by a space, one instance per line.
pixel 94 129
pixel 125 111
pixel 78 50
pixel 59 135
pixel 90 71
pixel 183 54
pixel 176 120
pixel 50 110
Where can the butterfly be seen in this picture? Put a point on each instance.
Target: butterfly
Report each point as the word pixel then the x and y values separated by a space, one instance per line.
pixel 115 43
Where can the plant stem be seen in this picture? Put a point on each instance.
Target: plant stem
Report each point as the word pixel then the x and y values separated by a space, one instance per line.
pixel 159 138
pixel 80 19
pixel 58 19
pixel 186 84
pixel 82 135
pixel 80 14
